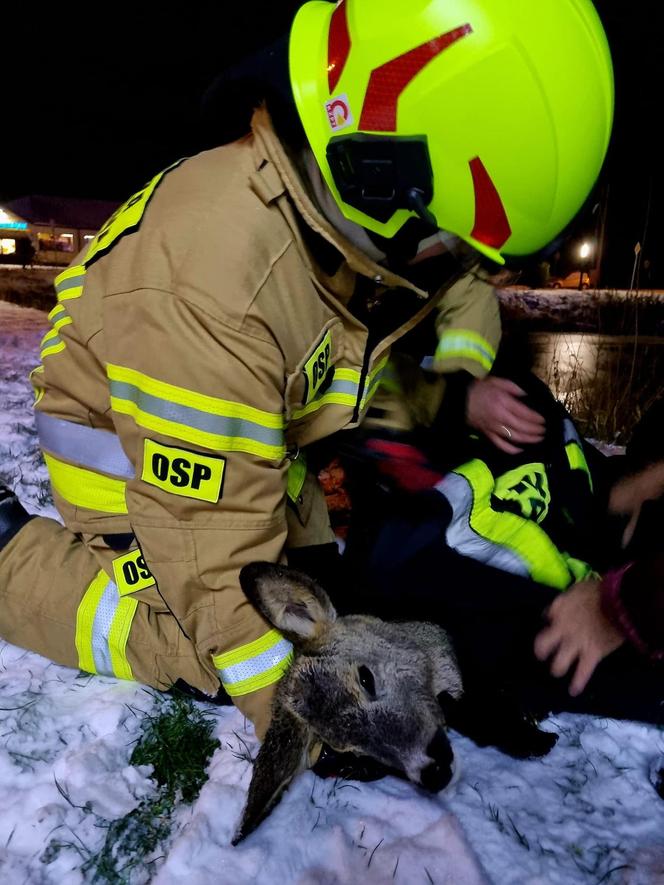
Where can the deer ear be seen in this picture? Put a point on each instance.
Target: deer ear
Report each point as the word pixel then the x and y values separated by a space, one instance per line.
pixel 290 600
pixel 283 754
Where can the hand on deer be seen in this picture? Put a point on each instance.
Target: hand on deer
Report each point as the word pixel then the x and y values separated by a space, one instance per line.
pixel 578 635
pixel 494 407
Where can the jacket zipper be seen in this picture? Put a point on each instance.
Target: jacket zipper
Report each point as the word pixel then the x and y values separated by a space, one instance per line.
pixel 363 376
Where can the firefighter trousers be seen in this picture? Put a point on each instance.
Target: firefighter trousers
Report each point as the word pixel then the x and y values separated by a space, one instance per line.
pixel 61 596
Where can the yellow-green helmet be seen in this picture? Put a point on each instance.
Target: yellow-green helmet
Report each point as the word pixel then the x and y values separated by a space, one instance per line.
pixel 489 118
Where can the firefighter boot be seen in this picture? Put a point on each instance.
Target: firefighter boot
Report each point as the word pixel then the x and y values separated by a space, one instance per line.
pixel 13 516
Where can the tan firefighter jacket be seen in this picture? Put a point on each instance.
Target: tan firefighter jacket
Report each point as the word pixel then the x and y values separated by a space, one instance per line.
pixel 197 347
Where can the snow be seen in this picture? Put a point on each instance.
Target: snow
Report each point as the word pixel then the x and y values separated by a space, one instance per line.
pixel 586 813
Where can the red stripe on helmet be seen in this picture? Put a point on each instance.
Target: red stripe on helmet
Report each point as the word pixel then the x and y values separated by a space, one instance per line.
pixel 338 45
pixel 379 111
pixel 491 225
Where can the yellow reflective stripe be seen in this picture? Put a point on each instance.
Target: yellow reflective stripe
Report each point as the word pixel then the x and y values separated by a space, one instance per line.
pixel 472 337
pixel 465 344
pixel 75 270
pixel 39 391
pixel 390 380
pixel 119 634
pixel 192 417
pixel 254 683
pixel 126 218
pixel 69 284
pixel 254 665
pixel 200 401
pixel 85 618
pixel 101 602
pixel 327 399
pixel 53 333
pixel 577 460
pixel 53 348
pixel 347 384
pixel 197 437
pixel 526 538
pixel 342 392
pixel 58 309
pixel 579 569
pixel 86 488
pixel 373 383
pixel 297 473
pixel 249 650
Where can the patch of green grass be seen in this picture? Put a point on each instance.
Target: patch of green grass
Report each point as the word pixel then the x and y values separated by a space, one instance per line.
pixel 177 741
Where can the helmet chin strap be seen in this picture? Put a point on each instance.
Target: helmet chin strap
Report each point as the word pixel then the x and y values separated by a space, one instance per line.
pixel 415 237
pixel 358 236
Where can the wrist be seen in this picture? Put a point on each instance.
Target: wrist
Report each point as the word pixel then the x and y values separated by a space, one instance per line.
pixel 616 608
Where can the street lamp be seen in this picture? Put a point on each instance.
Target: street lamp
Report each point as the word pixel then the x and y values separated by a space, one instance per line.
pixel 585 251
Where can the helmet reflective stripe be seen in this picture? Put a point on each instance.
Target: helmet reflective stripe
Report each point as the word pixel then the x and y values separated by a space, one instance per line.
pixel 386 83
pixel 338 46
pixel 491 225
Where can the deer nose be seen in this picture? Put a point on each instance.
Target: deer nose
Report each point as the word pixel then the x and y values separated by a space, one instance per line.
pixel 437 775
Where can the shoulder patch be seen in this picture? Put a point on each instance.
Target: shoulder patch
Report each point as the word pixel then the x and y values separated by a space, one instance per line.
pixel 125 219
pixel 316 368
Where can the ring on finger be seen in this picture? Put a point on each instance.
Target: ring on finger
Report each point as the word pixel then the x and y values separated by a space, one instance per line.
pixel 508 432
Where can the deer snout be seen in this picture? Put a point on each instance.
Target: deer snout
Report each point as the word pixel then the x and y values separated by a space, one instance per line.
pixel 435 776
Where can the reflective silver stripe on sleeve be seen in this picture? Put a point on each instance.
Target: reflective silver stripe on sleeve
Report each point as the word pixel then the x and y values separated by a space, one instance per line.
pixel 70 283
pixel 460 535
pixel 86 446
pixel 569 432
pixel 258 664
pixel 189 416
pixel 101 629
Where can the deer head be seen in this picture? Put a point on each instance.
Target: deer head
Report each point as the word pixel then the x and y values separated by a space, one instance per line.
pixel 357 683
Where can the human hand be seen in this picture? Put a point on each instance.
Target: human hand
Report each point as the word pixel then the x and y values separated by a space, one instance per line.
pixel 493 407
pixel 578 636
pixel 629 494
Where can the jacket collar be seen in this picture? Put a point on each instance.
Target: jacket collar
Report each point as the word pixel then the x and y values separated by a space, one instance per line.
pixel 275 175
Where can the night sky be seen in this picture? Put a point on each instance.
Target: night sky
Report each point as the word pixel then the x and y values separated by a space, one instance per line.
pixel 96 113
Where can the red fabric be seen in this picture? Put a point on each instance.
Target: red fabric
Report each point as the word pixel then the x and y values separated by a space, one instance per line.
pixel 405 465
pixel 379 111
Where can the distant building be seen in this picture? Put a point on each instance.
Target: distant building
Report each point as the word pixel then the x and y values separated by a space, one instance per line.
pixel 57 227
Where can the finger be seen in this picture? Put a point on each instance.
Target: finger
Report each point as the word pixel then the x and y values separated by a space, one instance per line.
pixel 502 444
pixel 563 659
pixel 521 435
pixel 507 386
pixel 584 670
pixel 630 527
pixel 546 642
pixel 520 412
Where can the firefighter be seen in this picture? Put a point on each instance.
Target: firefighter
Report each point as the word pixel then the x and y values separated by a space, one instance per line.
pixel 243 304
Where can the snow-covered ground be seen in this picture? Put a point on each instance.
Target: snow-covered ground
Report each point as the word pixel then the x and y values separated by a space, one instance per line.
pixel 584 814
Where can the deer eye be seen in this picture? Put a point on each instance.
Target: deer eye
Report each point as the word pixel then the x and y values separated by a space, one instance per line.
pixel 367 681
